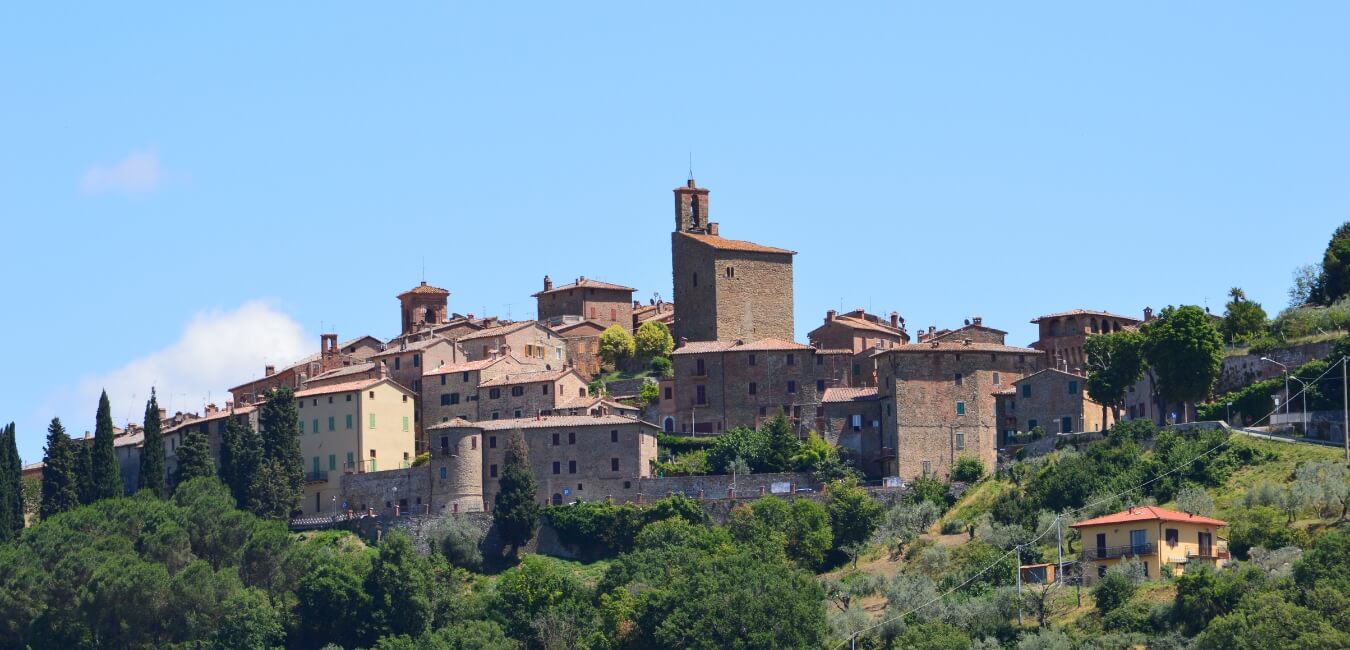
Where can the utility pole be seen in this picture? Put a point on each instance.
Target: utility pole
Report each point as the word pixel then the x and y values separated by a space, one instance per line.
pixel 1345 410
pixel 1059 568
pixel 1019 585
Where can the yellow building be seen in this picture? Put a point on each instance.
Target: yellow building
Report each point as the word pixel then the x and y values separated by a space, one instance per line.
pixel 1155 536
pixel 354 427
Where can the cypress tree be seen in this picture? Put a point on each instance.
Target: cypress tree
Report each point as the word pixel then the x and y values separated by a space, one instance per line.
pixel 280 423
pixel 515 510
pixel 194 457
pixel 240 453
pixel 60 489
pixel 107 472
pixel 84 469
pixel 11 485
pixel 152 452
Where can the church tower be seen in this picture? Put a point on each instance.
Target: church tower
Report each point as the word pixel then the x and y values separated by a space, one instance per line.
pixel 725 289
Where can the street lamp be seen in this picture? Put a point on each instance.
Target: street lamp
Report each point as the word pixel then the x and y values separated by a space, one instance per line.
pixel 1286 381
pixel 1304 392
pixel 1228 413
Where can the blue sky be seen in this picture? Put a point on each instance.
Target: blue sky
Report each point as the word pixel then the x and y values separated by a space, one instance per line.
pixel 187 191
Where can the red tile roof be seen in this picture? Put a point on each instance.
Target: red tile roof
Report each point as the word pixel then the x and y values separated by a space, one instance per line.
pixel 533 377
pixel 467 366
pixel 586 283
pixel 957 346
pixel 347 387
pixel 762 345
pixel 849 395
pixel 412 346
pixel 1148 513
pixel 546 421
pixel 771 344
pixel 500 330
pixel 1085 312
pixel 425 289
pixel 735 244
pixel 702 347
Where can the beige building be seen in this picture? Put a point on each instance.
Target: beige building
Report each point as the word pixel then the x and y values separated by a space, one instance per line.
pixel 526 340
pixel 1155 536
pixel 361 426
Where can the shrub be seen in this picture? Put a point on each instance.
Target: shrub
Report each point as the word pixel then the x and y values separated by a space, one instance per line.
pixel 954 526
pixel 928 488
pixel 1112 590
pixel 968 469
pixel 662 366
pixel 422 459
pixel 648 394
pixel 460 543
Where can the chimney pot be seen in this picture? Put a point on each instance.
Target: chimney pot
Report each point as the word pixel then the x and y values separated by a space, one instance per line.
pixel 548 283
pixel 712 228
pixel 895 319
pixel 269 370
pixel 829 315
pixel 690 183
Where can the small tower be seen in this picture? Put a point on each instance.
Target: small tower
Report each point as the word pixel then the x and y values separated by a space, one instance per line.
pixel 423 304
pixel 691 208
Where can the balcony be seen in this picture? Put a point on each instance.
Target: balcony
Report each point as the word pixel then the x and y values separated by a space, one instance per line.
pixel 319 476
pixel 1113 552
pixel 1208 554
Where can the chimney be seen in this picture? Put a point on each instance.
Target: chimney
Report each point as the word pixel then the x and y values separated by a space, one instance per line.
pixel 684 341
pixel 712 229
pixel 548 283
pixel 269 370
pixel 895 320
pixel 382 371
pixel 829 315
pixel 1148 314
pixel 163 414
pixel 636 304
pixel 977 320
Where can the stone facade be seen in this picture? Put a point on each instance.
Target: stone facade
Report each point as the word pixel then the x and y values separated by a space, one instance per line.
pixel 528 341
pixel 451 391
pixel 937 402
pixel 526 394
pixel 852 420
pixel 331 356
pixel 582 342
pixel 1053 399
pixel 596 301
pixel 423 306
pixel 858 330
pixel 451 482
pixel 728 289
pixel 721 385
pixel 1062 335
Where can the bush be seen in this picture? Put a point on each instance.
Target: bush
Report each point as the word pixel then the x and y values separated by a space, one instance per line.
pixel 422 459
pixel 968 469
pixel 648 394
pixel 1112 590
pixel 662 366
pixel 928 488
pixel 460 542
pixel 954 526
pixel 1262 526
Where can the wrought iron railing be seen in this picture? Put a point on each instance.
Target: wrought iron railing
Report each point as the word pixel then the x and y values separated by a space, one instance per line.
pixel 1112 552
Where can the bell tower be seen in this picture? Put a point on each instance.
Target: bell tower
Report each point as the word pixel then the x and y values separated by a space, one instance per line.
pixel 691 208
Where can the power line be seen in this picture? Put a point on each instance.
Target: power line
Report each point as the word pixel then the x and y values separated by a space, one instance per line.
pixel 1058 516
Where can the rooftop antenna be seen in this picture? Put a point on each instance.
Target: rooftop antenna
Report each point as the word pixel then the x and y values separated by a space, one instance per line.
pixel 691 164
pixel 424 268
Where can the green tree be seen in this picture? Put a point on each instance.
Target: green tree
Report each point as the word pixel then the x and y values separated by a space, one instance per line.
pixel 515 510
pixel 781 445
pixel 968 469
pixel 250 621
pixel 653 340
pixel 60 491
pixel 1264 619
pixel 240 455
pixel 331 606
pixel 1185 351
pixel 616 345
pixel 399 587
pixel 279 420
pixel 84 469
pixel 1195 501
pixel 1305 285
pixel 1115 363
pixel 1112 590
pixel 541 604
pixel 1243 320
pixel 11 485
pixel 738 442
pixel 107 478
pixel 854 514
pixel 194 457
pixel 649 393
pixel 152 451
pixel 1334 281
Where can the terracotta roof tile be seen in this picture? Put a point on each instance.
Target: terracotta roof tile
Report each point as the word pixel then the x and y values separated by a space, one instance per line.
pixel 425 289
pixel 833 351
pixel 701 347
pixel 500 330
pixel 533 377
pixel 546 421
pixel 1148 513
pixel 956 346
pixel 735 244
pixel 412 346
pixel 863 324
pixel 467 366
pixel 585 283
pixel 354 369
pixel 771 344
pixel 345 387
pixel 1086 312
pixel 849 395
pixel 766 344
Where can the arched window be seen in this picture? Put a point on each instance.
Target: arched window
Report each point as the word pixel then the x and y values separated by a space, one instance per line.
pixel 669 424
pixel 430 316
pixel 557 499
pixel 693 210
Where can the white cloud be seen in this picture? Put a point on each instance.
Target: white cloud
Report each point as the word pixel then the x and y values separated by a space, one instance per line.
pixel 139 173
pixel 217 350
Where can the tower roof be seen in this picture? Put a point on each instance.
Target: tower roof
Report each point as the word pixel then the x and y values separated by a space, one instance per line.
pixel 735 244
pixel 424 289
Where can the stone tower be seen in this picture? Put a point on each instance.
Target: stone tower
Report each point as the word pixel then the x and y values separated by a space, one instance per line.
pixel 726 289
pixel 423 304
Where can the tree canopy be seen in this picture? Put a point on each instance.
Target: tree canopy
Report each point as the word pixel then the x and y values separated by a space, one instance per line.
pixel 616 345
pixel 107 473
pixel 152 472
pixel 1185 350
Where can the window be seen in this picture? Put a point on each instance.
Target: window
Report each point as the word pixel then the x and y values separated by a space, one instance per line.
pixel 753 387
pixel 332 422
pixel 791 387
pixel 546 387
pixel 492 442
pixel 1031 424
pixel 820 361
pixel 557 467
pixel 998 379
pixel 302 426
pixel 454 398
pixel 445 443
pixel 443 380
pixel 960 440
pixel 349 397
pixel 763 411
pixel 857 422
pixel 958 379
pixel 1172 536
pixel 372 394
pixel 857 369
pixel 445 399
pixel 555 440
pixel 614 435
pixel 731 271
pixel 820 386
pixel 1073 387
pixel 1026 390
pixel 494 393
pixel 1065 424
pixel 496 415
pixel 316 425
pixel 350 463
pixel 696 279
pixel 330 401
pixel 667 394
pixel 927 467
pixel 349 420
pixel 593 312
pixel 396 363
pixel 332 462
pixel 492 471
pixel 792 359
pixel 417 361
pixel 571 467
pixel 300 403
pixel 581 392
pixel 750 359
pixel 699 368
pixel 960 408
pixel 702 397
pixel 517 391
pixel 464 377
pixel 613 314
pixel 405 423
pixel 571 437
pixel 443 472
pixel 417 388
pixel 613 464
pixel 372 420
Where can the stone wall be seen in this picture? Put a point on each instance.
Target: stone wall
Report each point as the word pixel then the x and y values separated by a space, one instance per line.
pixel 1242 370
pixel 752 302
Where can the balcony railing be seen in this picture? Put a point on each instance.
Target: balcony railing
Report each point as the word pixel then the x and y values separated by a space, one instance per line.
pixel 1209 554
pixel 320 476
pixel 1112 552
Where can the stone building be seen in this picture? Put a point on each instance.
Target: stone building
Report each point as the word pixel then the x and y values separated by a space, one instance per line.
pixel 1052 399
pixel 331 355
pixel 581 340
pixel 450 391
pixel 728 289
pixel 719 385
pixel 515 395
pixel 423 306
pixel 212 423
pixel 937 402
pixel 852 420
pixel 600 302
pixel 524 340
pixel 406 361
pixel 657 310
pixel 858 330
pixel 572 457
pixel 974 330
pixel 361 426
pixel 1063 334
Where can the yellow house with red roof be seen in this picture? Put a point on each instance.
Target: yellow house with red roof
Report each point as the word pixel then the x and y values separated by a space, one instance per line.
pixel 1155 536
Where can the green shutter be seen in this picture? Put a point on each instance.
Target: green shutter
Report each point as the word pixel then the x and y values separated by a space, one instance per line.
pixel 332 462
pixel 302 426
pixel 349 420
pixel 960 408
pixel 372 420
pixel 316 425
pixel 332 423
pixel 405 423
